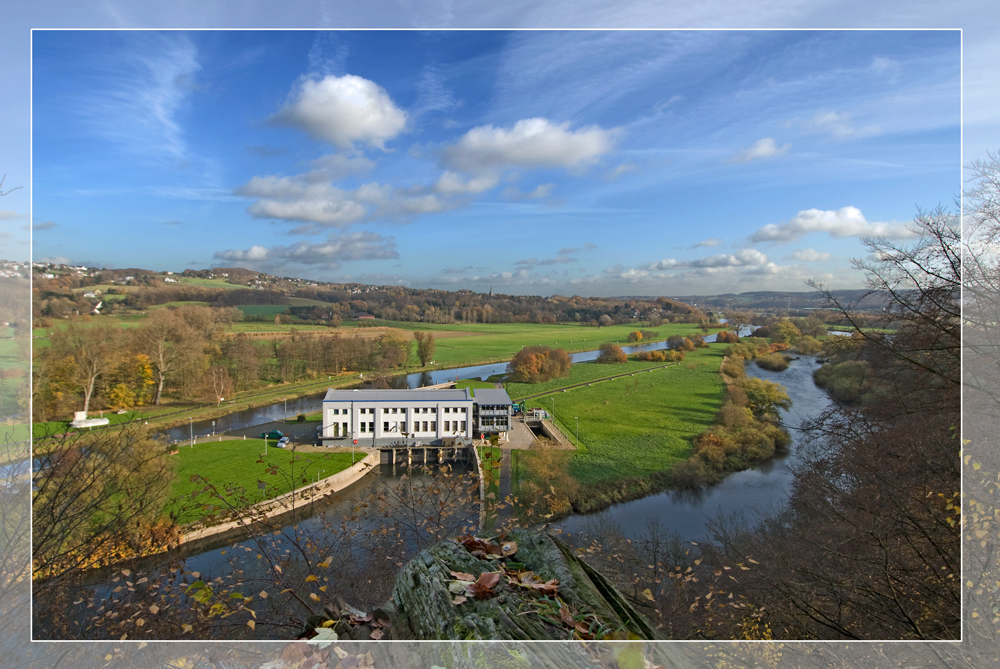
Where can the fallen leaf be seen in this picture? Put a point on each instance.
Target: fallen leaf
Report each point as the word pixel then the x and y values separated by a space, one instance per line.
pixel 462 576
pixel 251 624
pixel 648 594
pixel 154 609
pixel 459 600
pixel 376 634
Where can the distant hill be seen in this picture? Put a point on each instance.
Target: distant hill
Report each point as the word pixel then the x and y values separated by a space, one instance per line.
pixel 770 300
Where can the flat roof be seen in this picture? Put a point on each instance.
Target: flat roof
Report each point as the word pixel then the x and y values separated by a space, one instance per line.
pixel 491 396
pixel 415 395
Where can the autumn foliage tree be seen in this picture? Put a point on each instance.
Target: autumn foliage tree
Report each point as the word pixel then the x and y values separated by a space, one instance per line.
pixel 611 354
pixel 425 346
pixel 537 364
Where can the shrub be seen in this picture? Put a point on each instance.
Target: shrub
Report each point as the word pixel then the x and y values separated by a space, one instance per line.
pixel 301 418
pixel 726 337
pixel 774 362
pixel 537 364
pixel 733 368
pixel 807 345
pixel 611 354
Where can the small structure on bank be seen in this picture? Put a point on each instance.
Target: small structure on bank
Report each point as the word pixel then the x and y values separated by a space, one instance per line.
pixel 80 420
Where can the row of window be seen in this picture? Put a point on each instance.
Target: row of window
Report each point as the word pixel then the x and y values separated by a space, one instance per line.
pixel 401 410
pixel 418 426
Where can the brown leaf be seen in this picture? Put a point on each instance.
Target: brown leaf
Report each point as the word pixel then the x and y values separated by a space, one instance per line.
pixel 489 578
pixel 566 616
pixel 462 576
pixel 459 600
pixel 376 634
pixel 508 548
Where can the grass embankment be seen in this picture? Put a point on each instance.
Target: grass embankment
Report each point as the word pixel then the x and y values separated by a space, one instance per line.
pixel 632 430
pixel 233 468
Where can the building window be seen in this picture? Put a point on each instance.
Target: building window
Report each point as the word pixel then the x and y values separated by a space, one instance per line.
pixel 371 427
pixel 345 429
pixel 402 427
pixel 364 427
pixel 385 426
pixel 395 410
pixel 463 426
pixel 425 426
pixel 434 426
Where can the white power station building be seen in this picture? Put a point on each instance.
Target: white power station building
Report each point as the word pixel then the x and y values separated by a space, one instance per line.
pixel 380 417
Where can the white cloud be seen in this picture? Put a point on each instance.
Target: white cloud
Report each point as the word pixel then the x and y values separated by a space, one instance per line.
pixel 47 225
pixel 533 142
pixel 539 193
pixel 450 183
pixel 708 243
pixel 342 111
pixel 742 258
pixel 762 148
pixel 293 199
pixel 7 215
pixel 334 166
pixel 836 124
pixel 329 254
pixel 845 222
pixel 808 255
pixel 624 168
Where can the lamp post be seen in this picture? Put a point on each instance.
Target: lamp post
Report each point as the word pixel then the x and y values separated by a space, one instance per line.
pixel 318 473
pixel 285 400
pixel 191 430
pixel 577 431
pixel 213 428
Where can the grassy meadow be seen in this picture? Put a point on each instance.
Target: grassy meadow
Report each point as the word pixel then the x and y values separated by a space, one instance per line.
pixel 634 426
pixel 232 466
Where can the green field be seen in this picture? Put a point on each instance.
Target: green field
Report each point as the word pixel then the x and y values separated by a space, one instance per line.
pixel 581 372
pixel 270 326
pixel 233 468
pixel 208 283
pixel 500 341
pixel 634 426
pixel 185 303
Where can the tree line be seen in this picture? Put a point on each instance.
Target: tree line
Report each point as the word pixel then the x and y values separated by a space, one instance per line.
pixel 188 352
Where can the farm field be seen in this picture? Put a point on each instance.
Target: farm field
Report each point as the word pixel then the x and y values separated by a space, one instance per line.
pixel 634 426
pixel 232 466
pixel 581 372
pixel 500 341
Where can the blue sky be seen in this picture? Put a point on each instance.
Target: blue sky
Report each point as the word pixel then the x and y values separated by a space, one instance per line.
pixel 571 162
